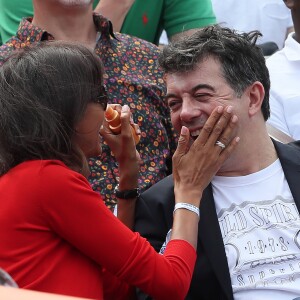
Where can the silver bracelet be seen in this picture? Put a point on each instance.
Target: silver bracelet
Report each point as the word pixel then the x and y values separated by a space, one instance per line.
pixel 187 206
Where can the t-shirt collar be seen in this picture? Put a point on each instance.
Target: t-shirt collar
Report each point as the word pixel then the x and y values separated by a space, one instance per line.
pixel 292 48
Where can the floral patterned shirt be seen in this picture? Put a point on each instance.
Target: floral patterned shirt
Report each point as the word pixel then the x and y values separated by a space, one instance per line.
pixel 132 77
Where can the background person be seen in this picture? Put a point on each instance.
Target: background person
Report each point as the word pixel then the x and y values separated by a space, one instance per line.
pixel 284 68
pixel 270 17
pixel 143 19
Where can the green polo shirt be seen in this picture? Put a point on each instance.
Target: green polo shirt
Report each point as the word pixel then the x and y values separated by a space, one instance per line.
pixel 146 19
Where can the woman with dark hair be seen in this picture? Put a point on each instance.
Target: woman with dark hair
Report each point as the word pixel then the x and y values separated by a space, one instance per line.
pixel 56 235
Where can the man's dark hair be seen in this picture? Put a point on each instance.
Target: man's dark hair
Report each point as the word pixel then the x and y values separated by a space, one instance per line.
pixel 44 92
pixel 242 61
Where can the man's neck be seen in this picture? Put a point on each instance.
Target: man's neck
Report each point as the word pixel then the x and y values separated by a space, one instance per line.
pixel 254 153
pixel 66 23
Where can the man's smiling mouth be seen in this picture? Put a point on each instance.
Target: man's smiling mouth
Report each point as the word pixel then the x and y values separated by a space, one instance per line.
pixel 194 134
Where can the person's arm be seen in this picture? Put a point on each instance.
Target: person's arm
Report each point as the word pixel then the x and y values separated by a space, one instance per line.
pixel 123 147
pixel 115 11
pixel 183 18
pixel 78 216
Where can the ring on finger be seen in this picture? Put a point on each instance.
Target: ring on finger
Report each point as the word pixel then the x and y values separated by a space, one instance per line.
pixel 220 144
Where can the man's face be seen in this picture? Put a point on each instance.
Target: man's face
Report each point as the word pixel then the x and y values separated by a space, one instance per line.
pixel 193 95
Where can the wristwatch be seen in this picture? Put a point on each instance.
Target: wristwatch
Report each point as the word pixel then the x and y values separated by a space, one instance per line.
pixel 126 194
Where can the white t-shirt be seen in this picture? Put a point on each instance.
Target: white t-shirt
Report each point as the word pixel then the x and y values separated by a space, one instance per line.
pixel 284 69
pixel 271 17
pixel 260 226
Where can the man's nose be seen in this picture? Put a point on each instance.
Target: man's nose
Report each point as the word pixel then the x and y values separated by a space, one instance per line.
pixel 188 111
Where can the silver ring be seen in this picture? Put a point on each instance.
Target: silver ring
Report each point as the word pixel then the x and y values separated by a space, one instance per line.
pixel 220 144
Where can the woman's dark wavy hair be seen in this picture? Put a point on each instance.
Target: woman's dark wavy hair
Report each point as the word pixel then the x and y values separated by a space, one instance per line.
pixel 44 92
pixel 241 59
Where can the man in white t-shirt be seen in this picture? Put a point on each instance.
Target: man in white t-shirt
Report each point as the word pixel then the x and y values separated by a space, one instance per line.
pixel 284 69
pixel 249 229
pixel 270 17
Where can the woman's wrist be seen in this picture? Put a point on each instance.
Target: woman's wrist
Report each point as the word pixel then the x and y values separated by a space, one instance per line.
pixel 187 206
pixel 188 196
pixel 128 179
pixel 126 194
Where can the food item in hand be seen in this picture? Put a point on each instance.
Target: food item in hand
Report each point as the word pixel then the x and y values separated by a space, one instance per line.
pixel 114 121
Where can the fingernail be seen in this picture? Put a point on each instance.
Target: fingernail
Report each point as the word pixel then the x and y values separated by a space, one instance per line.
pixel 220 109
pixel 237 139
pixel 125 107
pixel 234 119
pixel 229 109
pixel 184 131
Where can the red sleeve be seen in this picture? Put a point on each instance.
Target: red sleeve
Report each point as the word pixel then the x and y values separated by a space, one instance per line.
pixel 78 215
pixel 157 280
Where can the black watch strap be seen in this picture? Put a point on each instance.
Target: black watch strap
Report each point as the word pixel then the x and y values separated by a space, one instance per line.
pixel 126 194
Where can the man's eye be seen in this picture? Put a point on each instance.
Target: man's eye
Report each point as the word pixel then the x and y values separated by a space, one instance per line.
pixel 202 97
pixel 173 104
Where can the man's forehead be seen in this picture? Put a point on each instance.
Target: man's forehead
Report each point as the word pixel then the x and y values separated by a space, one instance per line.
pixel 175 82
pixel 188 82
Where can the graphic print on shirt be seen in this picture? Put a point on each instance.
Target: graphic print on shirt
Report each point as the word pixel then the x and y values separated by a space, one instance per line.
pixel 260 226
pixel 263 240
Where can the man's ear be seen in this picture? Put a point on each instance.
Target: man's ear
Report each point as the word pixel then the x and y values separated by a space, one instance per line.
pixel 256 94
